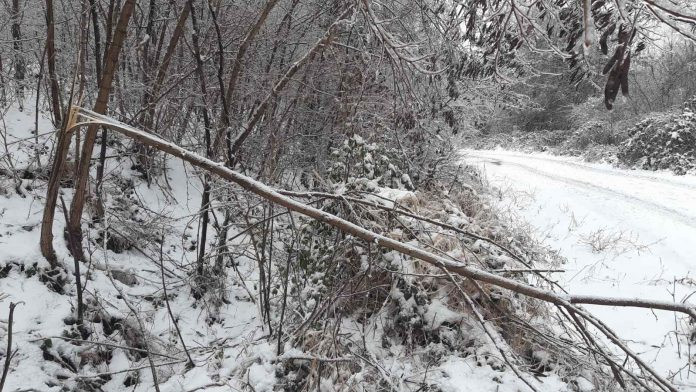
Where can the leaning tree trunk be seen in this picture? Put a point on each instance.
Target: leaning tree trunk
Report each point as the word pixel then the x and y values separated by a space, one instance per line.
pixel 74 229
pixel 566 301
pixel 261 108
pixel 152 93
pixel 228 94
pixel 73 225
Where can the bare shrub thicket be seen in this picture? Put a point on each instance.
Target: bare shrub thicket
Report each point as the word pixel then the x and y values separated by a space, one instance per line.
pixel 326 190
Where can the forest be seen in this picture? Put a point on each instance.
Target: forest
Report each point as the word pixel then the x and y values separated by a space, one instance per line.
pixel 347 195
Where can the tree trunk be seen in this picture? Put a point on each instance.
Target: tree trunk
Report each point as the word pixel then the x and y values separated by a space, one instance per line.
pixel 164 65
pixel 236 72
pixel 103 140
pixel 3 94
pixel 51 52
pixel 205 199
pixel 53 187
pixel 153 88
pixel 74 229
pixel 17 46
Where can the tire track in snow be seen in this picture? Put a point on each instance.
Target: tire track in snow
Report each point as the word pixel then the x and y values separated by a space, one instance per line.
pixel 655 207
pixel 633 174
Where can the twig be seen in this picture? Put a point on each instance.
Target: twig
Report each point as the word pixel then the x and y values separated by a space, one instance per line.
pixel 8 353
pixel 151 366
pixel 190 363
pixel 106 344
pixel 311 358
pixel 135 314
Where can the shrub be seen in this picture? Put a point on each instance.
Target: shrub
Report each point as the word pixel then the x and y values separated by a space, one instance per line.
pixel 592 133
pixel 663 142
pixel 366 166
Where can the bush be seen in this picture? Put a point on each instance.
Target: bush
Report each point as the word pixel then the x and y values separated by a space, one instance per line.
pixel 592 133
pixel 664 142
pixel 363 166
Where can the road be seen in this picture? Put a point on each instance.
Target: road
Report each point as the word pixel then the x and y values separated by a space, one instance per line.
pixel 628 233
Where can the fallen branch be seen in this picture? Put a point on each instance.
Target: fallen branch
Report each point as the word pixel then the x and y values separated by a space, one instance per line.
pixel 405 212
pixel 635 303
pixel 314 359
pixel 133 369
pixel 462 269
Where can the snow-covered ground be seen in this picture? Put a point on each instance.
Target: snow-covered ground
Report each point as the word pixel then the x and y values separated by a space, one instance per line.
pixel 43 313
pixel 640 225
pixel 227 341
pixel 625 233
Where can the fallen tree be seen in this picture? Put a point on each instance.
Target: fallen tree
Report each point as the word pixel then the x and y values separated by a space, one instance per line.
pixel 569 303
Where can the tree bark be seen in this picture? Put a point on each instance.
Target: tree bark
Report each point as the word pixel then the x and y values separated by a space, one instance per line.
pixel 53 187
pixel 205 199
pixel 76 207
pixel 17 46
pixel 51 53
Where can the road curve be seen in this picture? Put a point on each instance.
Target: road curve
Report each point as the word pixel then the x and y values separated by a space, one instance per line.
pixel 673 196
pixel 647 218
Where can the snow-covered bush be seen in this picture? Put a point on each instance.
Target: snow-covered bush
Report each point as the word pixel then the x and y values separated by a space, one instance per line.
pixel 593 132
pixel 663 142
pixel 363 166
pixel 586 140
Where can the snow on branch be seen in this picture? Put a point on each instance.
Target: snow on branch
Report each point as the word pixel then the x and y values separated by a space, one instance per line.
pixel 564 301
pixel 462 269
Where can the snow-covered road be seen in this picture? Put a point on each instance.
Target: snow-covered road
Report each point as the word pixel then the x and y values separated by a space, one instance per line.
pixel 625 233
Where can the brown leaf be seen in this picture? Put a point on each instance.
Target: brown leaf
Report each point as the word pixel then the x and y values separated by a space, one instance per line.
pixel 611 89
pixel 612 60
pixel 605 36
pixel 623 78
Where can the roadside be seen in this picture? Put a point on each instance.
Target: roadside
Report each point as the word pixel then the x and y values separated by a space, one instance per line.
pixel 623 232
pixel 660 141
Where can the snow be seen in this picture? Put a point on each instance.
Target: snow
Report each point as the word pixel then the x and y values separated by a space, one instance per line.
pixel 262 377
pixel 231 352
pixel 437 313
pixel 624 233
pixel 463 375
pixel 42 313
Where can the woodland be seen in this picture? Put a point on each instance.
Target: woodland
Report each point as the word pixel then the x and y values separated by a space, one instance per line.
pixel 269 195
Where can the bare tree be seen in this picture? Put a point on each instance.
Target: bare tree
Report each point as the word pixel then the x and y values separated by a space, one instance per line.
pixel 74 226
pixel 19 67
pixel 51 59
